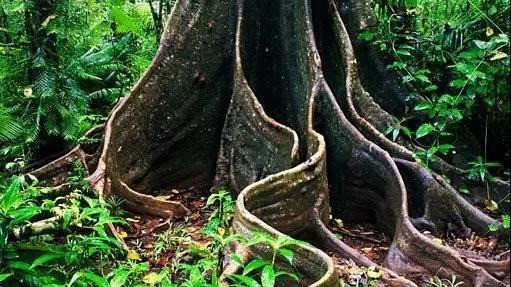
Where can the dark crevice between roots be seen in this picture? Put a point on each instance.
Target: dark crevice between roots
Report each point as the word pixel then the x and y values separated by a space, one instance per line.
pixel 381 83
pixel 275 61
pixel 357 185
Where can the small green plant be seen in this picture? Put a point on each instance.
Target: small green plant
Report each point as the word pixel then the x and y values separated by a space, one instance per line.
pixel 505 224
pixel 437 282
pixel 259 272
pixel 396 129
pixel 221 216
pixel 35 257
pixel 480 168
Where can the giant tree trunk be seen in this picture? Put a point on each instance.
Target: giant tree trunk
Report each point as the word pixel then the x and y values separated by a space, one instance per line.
pixel 264 98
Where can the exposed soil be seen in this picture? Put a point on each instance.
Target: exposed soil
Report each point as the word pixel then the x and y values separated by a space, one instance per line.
pixel 365 238
pixel 478 247
pixel 158 240
pixel 352 274
pixel 374 244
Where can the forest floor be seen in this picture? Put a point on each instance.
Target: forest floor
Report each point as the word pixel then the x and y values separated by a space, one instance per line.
pixel 164 243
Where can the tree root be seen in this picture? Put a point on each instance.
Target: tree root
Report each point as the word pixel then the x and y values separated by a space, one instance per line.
pixel 263 97
pixel 45 226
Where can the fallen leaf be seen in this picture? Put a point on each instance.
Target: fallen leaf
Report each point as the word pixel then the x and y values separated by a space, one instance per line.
pixel 489 31
pixel 367 249
pixel 498 56
pixel 122 234
pixel 133 255
pixel 355 271
pixel 191 229
pixel 491 205
pixel 151 279
pixel 374 273
pixel 339 223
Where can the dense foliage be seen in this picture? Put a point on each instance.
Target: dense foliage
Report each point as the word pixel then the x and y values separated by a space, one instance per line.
pixel 64 64
pixel 454 58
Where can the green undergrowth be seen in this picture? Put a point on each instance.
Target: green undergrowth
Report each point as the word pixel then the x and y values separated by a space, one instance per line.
pixel 79 250
pixel 453 57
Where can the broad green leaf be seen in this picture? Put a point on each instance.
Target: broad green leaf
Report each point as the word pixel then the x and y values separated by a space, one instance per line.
pixel 250 282
pixel 389 129
pixel 288 254
pixel 44 259
pixel 22 215
pixel 464 190
pixel 431 88
pixel 505 221
pixel 284 273
pixel 75 277
pixel 445 148
pixel 5 276
pixel 366 36
pixel 98 280
pixel 482 45
pixel 406 131
pixel 20 265
pixel 12 195
pixel 423 106
pixel 423 78
pixel 395 133
pixel 254 264
pixel 268 276
pixel 119 278
pixel 458 83
pixel 237 259
pixel 493 227
pixel 424 130
pixel 403 52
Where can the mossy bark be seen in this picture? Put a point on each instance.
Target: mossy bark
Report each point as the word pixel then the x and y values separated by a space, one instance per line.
pixel 264 98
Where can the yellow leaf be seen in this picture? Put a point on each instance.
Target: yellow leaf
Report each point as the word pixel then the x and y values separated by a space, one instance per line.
pixel 151 279
pixel 491 205
pixel 123 234
pixel 221 231
pixel 498 56
pixel 374 273
pixel 339 223
pixel 411 11
pixel 355 271
pixel 47 20
pixel 133 255
pixel 438 241
pixel 489 31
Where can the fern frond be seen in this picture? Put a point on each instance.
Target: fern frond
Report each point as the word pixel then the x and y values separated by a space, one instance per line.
pixel 10 128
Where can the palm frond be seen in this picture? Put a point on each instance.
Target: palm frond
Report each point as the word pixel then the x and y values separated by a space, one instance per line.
pixel 10 128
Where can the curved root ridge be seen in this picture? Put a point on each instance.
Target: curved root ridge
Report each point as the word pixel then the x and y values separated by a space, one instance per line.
pixel 263 97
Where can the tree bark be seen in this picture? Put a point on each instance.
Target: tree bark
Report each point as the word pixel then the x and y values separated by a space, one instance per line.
pixel 264 98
